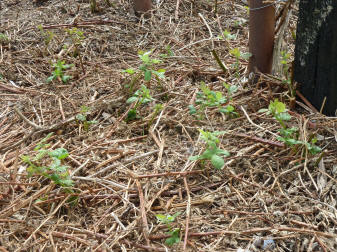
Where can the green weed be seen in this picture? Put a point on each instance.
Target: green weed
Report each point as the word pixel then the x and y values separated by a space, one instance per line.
pixel 173 232
pixel 146 69
pixel 140 97
pixel 3 38
pixel 58 72
pixel 227 36
pixel 82 117
pixel 47 35
pixel 285 70
pixel 48 163
pixel 239 55
pixel 208 98
pixel 212 152
pixel 289 136
pixel 169 52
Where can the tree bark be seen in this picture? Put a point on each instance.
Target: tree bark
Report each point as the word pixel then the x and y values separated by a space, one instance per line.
pixel 261 36
pixel 315 66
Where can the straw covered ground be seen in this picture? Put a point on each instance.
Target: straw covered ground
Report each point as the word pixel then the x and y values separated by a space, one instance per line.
pixel 112 167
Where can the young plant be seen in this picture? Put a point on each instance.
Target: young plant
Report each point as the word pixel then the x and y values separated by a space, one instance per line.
pixel 212 152
pixel 48 163
pixel 288 135
pixel 47 35
pixel 82 117
pixel 239 55
pixel 173 232
pixel 140 97
pixel 146 69
pixel 169 52
pixel 227 36
pixel 208 98
pixel 77 38
pixel 58 72
pixel 3 38
pixel 285 69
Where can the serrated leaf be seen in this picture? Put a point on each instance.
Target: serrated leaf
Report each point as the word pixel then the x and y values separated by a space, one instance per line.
pixel 59 153
pixel 217 161
pixel 81 117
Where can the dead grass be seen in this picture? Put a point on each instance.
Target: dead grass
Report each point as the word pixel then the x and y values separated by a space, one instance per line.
pixel 126 173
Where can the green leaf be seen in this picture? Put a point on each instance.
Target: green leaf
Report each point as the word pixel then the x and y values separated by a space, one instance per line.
pixel 222 152
pixel 67 182
pixel 81 117
pixel 313 149
pixel 208 154
pixel 59 153
pixel 194 158
pixel 50 78
pixel 161 217
pixel 246 55
pixel 175 237
pixel 232 89
pixel 132 99
pixel 235 52
pixel 264 110
pixel 129 71
pixel 217 161
pixel 192 109
pixel 283 116
pixel 132 114
pixel 147 75
pixel 65 78
pixel 156 61
pixel 160 73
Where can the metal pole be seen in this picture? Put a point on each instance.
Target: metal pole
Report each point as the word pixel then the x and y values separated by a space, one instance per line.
pixel 261 35
pixel 142 6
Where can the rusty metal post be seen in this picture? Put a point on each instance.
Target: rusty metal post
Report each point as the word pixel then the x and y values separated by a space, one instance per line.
pixel 142 6
pixel 261 35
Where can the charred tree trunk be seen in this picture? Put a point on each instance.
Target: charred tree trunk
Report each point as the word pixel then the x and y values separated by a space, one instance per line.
pixel 261 35
pixel 315 66
pixel 142 6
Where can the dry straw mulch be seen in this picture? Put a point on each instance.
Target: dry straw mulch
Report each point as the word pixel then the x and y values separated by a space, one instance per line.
pixel 127 172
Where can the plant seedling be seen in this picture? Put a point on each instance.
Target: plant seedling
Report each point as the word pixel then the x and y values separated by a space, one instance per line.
pixel 58 73
pixel 146 69
pixel 48 163
pixel 3 38
pixel 173 232
pixel 140 97
pixel 47 35
pixel 227 35
pixel 169 52
pixel 77 38
pixel 212 152
pixel 288 135
pixel 239 55
pixel 82 117
pixel 208 98
pixel 285 69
